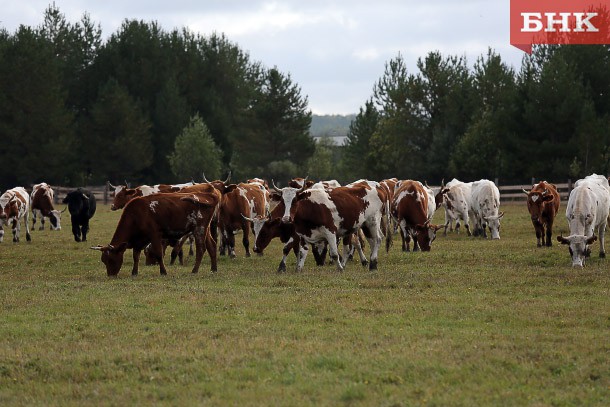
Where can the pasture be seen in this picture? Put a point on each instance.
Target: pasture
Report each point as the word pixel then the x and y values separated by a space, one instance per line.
pixel 473 322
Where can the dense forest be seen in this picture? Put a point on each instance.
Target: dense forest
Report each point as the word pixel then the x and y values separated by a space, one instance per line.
pixel 150 106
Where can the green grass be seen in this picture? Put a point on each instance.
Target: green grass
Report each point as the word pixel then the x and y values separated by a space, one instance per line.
pixel 473 322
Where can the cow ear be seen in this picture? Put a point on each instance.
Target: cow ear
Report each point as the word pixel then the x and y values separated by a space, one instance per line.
pixel 591 239
pixel 130 192
pixel 548 198
pixel 119 249
pixel 230 188
pixel 275 196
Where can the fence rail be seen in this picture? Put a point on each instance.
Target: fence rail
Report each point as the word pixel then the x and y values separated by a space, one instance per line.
pixel 507 192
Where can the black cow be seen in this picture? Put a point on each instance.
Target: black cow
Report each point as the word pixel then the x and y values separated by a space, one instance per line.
pixel 81 204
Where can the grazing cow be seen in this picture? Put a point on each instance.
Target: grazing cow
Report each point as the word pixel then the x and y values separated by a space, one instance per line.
pixel 321 215
pixel 123 194
pixel 42 204
pixel 410 209
pixel 268 228
pixel 543 204
pixel 457 196
pixel 15 205
pixel 81 204
pixel 485 204
pixel 154 218
pixel 587 211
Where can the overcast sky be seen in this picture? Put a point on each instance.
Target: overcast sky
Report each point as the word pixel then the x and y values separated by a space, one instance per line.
pixel 334 50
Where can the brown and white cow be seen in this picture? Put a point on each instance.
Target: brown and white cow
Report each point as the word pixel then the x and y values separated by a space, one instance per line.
pixel 410 209
pixel 239 203
pixel 543 204
pixel 15 205
pixel 321 215
pixel 123 194
pixel 155 218
pixel 42 205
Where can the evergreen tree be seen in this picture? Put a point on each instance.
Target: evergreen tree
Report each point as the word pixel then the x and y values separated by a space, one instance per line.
pixel 118 144
pixel 195 152
pixel 357 159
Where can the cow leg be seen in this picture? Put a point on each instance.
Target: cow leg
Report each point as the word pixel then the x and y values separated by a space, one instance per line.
pixel 319 255
pixel 1 231
pixel 602 239
pixel 16 230
pixel 404 234
pixel 76 230
pixel 246 237
pixel 35 217
pixel 199 249
pixel 85 229
pixel 191 240
pixel 302 255
pixel 549 234
pixel 156 250
pixel 375 243
pixel 136 261
pixel 457 227
pixel 210 244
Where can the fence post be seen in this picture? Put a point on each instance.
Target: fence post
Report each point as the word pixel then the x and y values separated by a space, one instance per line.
pixel 569 185
pixel 497 180
pixel 106 194
pixel 533 180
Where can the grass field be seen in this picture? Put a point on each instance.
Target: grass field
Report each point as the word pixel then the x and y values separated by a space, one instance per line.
pixel 471 323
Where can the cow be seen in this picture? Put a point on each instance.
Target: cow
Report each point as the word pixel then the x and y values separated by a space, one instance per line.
pixel 409 208
pixel 42 205
pixel 123 194
pixel 543 205
pixel 587 211
pixel 81 204
pixel 485 206
pixel 154 218
pixel 457 196
pixel 321 215
pixel 299 183
pixel 14 206
pixel 270 227
pixel 239 202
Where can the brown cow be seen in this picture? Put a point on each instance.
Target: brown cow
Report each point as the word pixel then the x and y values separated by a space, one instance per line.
pixel 153 218
pixel 543 205
pixel 42 204
pixel 239 203
pixel 410 209
pixel 123 194
pixel 14 205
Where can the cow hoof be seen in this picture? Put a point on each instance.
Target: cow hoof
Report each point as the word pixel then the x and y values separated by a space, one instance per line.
pixel 602 255
pixel 373 265
pixel 194 271
pixel 15 240
pixel 232 255
pixel 365 262
pixel 41 228
pixel 28 237
pixel 134 274
pixel 248 255
pixel 213 269
pixel 77 239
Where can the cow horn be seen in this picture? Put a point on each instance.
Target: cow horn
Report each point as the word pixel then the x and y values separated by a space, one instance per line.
pixel 426 184
pixel 443 183
pixel 247 218
pixel 525 192
pixel 65 209
pixel 546 191
pixel 85 196
pixel 98 247
pixel 204 178
pixel 304 187
pixel 228 177
pixel 111 186
pixel 274 187
pixel 127 184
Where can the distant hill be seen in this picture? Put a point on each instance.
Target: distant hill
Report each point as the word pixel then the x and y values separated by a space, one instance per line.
pixel 330 125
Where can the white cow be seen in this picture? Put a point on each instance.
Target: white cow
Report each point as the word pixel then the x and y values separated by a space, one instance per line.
pixel 15 205
pixel 587 211
pixel 485 206
pixel 457 196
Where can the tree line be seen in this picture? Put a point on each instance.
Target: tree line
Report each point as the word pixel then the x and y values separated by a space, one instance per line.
pixel 149 106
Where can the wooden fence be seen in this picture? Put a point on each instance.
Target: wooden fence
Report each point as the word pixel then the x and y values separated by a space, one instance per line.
pixel 507 192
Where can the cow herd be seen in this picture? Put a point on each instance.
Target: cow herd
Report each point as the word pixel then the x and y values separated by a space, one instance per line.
pixel 306 215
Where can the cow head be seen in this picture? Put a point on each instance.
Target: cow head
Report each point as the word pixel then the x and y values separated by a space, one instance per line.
pixel 579 246
pixel 10 210
pixel 425 235
pixel 536 201
pixel 287 196
pixel 112 257
pixel 122 195
pixel 493 223
pixel 55 218
pixel 265 229
pixel 221 186
pixel 77 201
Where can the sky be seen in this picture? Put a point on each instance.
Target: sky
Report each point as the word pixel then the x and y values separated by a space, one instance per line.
pixel 334 50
